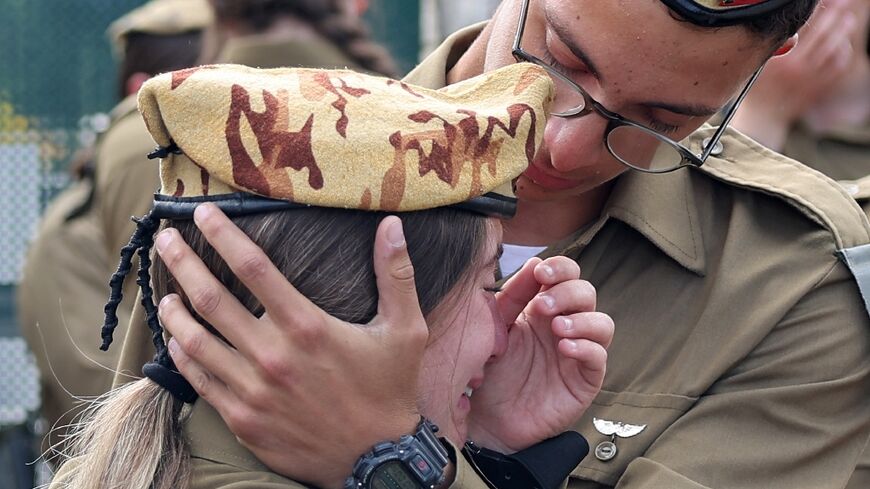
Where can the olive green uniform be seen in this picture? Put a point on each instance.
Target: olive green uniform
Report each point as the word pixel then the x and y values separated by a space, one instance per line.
pixel 742 344
pixel 843 155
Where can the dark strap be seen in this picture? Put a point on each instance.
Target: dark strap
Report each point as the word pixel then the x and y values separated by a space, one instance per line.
pixel 545 465
pixel 857 260
pixel 171 380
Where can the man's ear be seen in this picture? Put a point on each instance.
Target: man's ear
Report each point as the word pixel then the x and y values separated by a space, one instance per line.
pixel 787 46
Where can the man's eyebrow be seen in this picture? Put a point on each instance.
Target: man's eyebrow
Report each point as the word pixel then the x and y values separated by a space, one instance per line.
pixel 572 45
pixel 692 110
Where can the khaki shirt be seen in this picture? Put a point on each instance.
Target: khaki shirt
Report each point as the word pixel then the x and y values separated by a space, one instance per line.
pixel 742 346
pixel 843 155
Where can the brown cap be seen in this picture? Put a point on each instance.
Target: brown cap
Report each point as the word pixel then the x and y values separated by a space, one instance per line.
pixel 342 139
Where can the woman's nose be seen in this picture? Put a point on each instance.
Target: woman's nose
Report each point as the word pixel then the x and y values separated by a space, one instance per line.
pixel 576 142
pixel 500 344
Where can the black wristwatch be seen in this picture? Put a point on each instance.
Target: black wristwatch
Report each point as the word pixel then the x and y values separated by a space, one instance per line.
pixel 414 462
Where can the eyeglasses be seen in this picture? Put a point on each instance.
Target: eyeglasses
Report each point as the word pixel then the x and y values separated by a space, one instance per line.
pixel 632 143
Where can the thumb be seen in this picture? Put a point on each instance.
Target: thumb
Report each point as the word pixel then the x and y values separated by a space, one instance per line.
pixel 397 292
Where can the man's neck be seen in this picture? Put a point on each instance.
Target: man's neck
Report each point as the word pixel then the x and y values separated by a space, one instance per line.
pixel 545 223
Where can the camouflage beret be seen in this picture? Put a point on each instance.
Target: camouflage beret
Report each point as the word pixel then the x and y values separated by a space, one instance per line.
pixel 342 139
pixel 161 17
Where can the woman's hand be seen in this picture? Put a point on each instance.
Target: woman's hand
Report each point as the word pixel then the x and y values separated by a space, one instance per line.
pixel 305 392
pixel 555 362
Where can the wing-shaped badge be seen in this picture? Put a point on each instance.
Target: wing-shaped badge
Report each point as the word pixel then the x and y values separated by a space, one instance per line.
pixel 618 428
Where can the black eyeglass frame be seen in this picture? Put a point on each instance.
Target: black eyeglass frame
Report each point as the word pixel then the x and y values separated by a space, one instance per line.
pixel 615 120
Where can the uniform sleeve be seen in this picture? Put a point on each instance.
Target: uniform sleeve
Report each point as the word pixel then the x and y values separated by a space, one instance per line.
pixel 793 413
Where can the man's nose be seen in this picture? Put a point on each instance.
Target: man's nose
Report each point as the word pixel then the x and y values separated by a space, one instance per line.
pixel 575 142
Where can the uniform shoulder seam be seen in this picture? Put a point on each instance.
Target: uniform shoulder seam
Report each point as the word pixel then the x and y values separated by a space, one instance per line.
pixel 818 197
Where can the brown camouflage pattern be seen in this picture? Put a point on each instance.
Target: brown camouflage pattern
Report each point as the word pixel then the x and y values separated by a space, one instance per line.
pixel 337 138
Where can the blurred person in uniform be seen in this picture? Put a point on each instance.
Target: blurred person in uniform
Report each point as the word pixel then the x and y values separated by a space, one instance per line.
pixel 741 357
pixel 814 106
pixel 63 284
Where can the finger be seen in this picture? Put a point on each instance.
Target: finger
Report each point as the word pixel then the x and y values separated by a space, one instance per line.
pixel 198 344
pixel 556 269
pixel 394 273
pixel 206 294
pixel 251 265
pixel 518 291
pixel 592 326
pixel 591 356
pixel 564 298
pixel 206 385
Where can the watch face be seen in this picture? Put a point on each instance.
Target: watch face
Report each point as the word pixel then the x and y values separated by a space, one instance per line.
pixel 393 475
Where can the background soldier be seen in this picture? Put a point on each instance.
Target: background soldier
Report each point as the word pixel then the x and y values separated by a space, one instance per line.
pixel 63 287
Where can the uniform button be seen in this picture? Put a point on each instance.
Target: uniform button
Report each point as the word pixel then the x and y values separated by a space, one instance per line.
pixel 605 451
pixel 718 148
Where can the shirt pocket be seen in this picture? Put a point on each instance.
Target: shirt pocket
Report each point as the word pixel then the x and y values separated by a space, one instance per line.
pixel 654 412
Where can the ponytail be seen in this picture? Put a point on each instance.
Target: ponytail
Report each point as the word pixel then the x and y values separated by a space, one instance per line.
pixel 129 438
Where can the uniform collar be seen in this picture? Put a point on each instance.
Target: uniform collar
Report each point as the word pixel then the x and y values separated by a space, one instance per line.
pixel 660 207
pixel 211 439
pixel 432 71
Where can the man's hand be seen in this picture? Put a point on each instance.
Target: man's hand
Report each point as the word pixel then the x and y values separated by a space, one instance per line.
pixel 555 362
pixel 791 84
pixel 297 372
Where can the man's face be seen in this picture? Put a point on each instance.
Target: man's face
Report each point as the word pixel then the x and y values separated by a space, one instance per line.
pixel 639 62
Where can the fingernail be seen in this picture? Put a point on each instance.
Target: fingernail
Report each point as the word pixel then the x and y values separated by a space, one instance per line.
pixel 548 270
pixel 202 212
pixel 163 240
pixel 165 300
pixel 571 345
pixel 173 346
pixel 548 301
pixel 395 235
pixel 567 325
